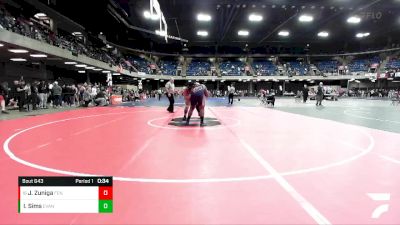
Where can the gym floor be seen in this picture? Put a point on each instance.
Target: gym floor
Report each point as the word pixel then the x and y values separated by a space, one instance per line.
pixel 292 164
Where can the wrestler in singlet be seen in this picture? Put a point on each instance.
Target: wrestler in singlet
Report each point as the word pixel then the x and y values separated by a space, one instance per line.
pixel 198 100
pixel 186 95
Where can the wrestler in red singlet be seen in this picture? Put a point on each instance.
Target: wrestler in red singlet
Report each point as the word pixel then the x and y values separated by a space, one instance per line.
pixel 186 96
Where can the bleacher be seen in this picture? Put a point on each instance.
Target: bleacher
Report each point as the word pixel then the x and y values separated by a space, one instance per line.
pixel 232 68
pixel 393 64
pixel 359 65
pixel 29 28
pixel 142 65
pixel 264 68
pixel 298 67
pixel 375 59
pixel 198 68
pixel 328 66
pixel 168 67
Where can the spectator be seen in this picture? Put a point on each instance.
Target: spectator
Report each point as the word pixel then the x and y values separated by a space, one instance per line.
pixel 43 91
pixel 34 95
pixel 57 91
pixel 159 92
pixel 320 94
pixel 21 95
pixel 74 97
pixel 3 96
pixel 101 98
pixel 305 93
pixel 86 96
pixel 28 93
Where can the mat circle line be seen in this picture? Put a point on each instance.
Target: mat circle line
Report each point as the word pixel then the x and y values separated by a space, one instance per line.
pixel 12 156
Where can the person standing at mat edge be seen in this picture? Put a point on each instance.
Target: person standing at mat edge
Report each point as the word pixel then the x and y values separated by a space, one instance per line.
pixel 3 96
pixel 170 89
pixel 231 92
pixel 320 94
pixel 305 93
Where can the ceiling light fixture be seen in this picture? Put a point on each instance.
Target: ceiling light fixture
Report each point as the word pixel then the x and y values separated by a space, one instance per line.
pixel 255 17
pixel 105 71
pixel 283 33
pixel 70 63
pixel 18 50
pixel 354 20
pixel 38 55
pixel 81 71
pixel 243 33
pixel 306 18
pixel 202 33
pixel 361 35
pixel 203 17
pixel 81 65
pixel 18 60
pixel 323 34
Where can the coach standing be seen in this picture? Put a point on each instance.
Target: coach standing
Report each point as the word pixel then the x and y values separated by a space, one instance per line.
pixel 169 89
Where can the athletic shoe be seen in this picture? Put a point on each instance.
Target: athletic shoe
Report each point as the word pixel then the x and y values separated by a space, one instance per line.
pixel 5 112
pixel 184 118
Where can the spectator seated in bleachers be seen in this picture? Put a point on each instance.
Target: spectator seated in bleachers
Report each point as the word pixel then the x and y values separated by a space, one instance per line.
pixel 264 68
pixel 358 66
pixel 328 66
pixel 140 64
pixel 297 68
pixel 232 68
pixel 198 68
pixel 168 67
pixel 363 65
pixel 32 29
pixel 393 64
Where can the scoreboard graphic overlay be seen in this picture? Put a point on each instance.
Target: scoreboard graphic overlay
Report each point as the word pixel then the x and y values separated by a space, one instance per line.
pixel 65 195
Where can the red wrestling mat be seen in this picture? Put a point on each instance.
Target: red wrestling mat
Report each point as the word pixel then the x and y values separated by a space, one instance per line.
pixel 260 166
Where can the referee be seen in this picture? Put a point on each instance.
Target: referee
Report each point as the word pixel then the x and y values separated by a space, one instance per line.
pixel 231 92
pixel 169 89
